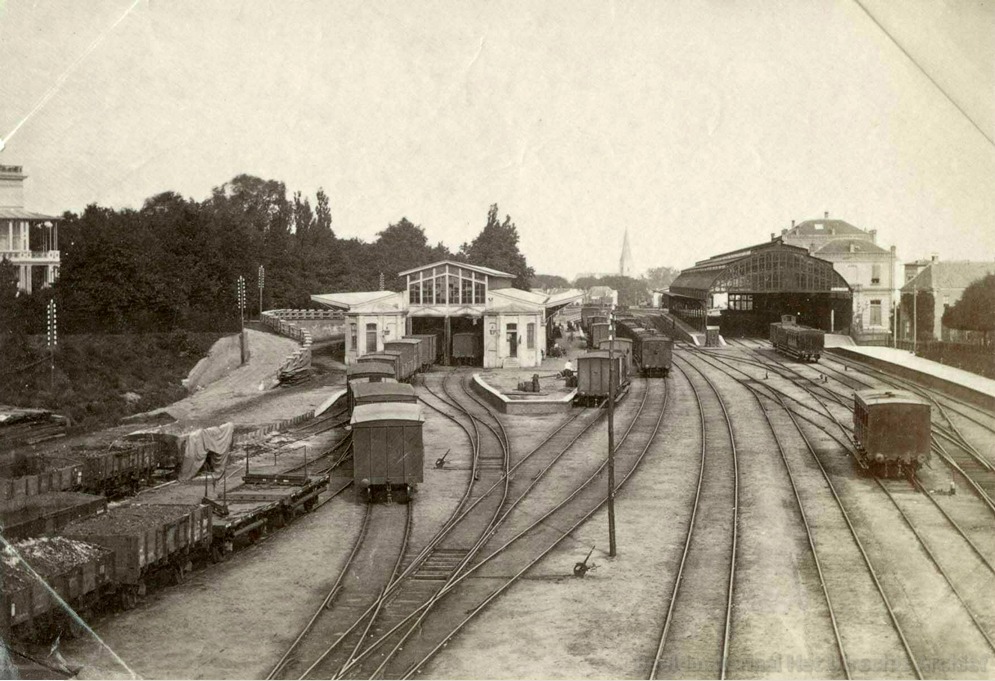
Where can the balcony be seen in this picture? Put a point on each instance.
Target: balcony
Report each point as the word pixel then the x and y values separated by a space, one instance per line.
pixel 31 257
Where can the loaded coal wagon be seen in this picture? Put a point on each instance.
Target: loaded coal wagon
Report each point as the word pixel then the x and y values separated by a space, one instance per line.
pixel 148 541
pixel 891 429
pixel 800 342
pixel 592 376
pixel 80 573
pixel 387 450
pixel 119 470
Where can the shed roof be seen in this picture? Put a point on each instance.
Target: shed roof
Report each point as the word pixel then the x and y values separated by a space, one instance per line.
pixel 16 213
pixel 387 411
pixel 353 299
pixel 476 268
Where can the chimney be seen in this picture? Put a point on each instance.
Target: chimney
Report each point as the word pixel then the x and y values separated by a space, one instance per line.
pixel 892 251
pixel 874 236
pixel 784 232
pixel 792 224
pixel 934 258
pixel 826 214
pixel 773 236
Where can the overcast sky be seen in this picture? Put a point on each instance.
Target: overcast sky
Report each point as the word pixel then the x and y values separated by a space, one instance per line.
pixel 699 126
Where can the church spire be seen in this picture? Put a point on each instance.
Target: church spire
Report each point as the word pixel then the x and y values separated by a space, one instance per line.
pixel 625 265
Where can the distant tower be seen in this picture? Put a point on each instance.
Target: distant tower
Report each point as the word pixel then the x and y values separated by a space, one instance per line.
pixel 625 265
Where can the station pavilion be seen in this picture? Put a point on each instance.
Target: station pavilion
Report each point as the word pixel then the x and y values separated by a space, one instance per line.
pixel 744 291
pixel 447 298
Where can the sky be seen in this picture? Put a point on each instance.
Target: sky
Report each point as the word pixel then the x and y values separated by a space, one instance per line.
pixel 700 126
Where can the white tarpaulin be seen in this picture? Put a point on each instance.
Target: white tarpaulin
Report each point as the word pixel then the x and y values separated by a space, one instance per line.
pixel 209 446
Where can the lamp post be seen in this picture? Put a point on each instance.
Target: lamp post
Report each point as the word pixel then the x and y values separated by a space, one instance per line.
pixel 262 278
pixel 611 432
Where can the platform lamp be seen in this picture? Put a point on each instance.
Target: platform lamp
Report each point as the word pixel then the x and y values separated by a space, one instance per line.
pixel 611 431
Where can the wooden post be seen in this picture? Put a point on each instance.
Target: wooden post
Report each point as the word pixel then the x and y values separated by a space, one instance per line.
pixel 611 434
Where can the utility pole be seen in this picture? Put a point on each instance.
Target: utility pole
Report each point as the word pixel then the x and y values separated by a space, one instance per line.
pixel 53 341
pixel 240 290
pixel 262 278
pixel 611 432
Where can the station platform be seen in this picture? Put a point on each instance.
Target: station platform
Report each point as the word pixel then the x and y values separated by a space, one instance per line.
pixel 955 382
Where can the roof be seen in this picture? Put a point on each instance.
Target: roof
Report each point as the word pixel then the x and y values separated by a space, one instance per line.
pixel 513 308
pixel 15 213
pixel 872 397
pixel 386 411
pixel 519 295
pixel 850 246
pixel 371 368
pixel 826 227
pixel 406 341
pixel 599 354
pixel 563 298
pixel 349 300
pixel 476 268
pixel 382 354
pixel 400 390
pixel 949 275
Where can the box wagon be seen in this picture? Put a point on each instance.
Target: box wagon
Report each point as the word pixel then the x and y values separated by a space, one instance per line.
pixel 371 371
pixel 892 431
pixel 654 354
pixel 429 348
pixel 801 342
pixel 388 453
pixel 599 332
pixel 392 358
pixel 410 349
pixel 623 345
pixel 592 376
pixel 467 348
pixel 80 573
pixel 373 393
pixel 147 539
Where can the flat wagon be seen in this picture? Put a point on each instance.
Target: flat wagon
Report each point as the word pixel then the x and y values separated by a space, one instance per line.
pixel 148 540
pixel 467 348
pixel 592 376
pixel 800 342
pixel 81 573
pixel 429 348
pixel 410 349
pixel 891 429
pixel 387 450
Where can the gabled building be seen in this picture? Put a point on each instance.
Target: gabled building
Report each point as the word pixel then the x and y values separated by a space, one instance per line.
pixel 450 299
pixel 29 240
pixel 869 269
pixel 934 287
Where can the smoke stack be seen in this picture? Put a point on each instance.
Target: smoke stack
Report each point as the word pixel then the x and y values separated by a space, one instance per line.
pixel 874 236
pixel 893 250
pixel 784 232
pixel 826 214
pixel 934 258
pixel 773 236
pixel 792 224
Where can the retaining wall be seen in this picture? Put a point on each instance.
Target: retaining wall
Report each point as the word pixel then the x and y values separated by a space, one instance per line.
pixel 529 406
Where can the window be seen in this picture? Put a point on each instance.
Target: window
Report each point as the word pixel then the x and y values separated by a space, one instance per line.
pixel 741 301
pixel 371 337
pixel 875 274
pixel 414 296
pixel 531 336
pixel 453 289
pixel 467 290
pixel 875 313
pixel 428 292
pixel 479 293
pixel 353 339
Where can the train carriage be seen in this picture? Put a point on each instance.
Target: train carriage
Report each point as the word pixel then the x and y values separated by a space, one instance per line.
pixel 654 354
pixel 625 346
pixel 592 376
pixel 891 429
pixel 800 342
pixel 387 450
pixel 428 348
pixel 467 348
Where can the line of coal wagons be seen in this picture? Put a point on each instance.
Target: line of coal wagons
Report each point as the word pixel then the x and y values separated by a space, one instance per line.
pixel 388 452
pixel 638 348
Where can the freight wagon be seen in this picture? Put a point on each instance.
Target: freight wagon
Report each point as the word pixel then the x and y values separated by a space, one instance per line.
pixel 654 354
pixel 80 573
pixel 429 348
pixel 800 342
pixel 623 345
pixel 370 371
pixel 117 471
pixel 387 450
pixel 467 348
pixel 148 541
pixel 592 376
pixel 48 513
pixel 392 358
pixel 598 332
pixel 373 393
pixel 891 429
pixel 410 355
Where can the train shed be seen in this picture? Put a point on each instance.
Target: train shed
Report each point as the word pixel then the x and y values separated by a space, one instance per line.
pixel 743 291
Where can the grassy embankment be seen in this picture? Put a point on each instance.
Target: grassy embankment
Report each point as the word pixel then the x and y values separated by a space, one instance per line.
pixel 93 373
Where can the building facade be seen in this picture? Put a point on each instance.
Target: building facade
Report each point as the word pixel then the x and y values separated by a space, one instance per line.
pixel 30 241
pixel 869 269
pixel 464 306
pixel 933 286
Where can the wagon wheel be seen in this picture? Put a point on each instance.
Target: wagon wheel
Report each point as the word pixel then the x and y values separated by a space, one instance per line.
pixel 129 597
pixel 309 504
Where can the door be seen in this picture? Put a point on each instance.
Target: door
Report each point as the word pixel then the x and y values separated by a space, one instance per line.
pixel 512 334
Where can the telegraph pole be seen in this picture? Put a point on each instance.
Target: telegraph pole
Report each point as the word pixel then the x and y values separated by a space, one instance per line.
pixel 262 278
pixel 611 432
pixel 53 340
pixel 240 291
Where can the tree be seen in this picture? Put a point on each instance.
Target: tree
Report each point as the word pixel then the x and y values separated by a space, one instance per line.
pixel 399 247
pixel 975 311
pixel 660 277
pixel 550 281
pixel 630 291
pixel 497 247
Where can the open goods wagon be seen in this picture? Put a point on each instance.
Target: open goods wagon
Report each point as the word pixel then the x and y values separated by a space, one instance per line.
pixel 800 342
pixel 593 376
pixel 148 541
pixel 467 348
pixel 891 429
pixel 429 348
pixel 411 353
pixel 393 358
pixel 262 503
pixel 80 573
pixel 387 450
pixel 48 513
pixel 118 471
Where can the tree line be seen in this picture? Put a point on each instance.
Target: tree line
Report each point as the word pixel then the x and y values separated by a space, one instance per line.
pixel 174 263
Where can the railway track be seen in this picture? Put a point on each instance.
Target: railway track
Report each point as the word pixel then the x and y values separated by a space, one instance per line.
pixel 691 631
pixel 971 567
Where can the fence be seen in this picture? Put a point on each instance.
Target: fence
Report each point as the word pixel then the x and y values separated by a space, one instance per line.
pixel 297 365
pixel 978 359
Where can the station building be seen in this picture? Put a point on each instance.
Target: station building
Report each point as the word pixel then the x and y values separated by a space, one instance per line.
pixel 450 299
pixel 744 291
pixel 29 240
